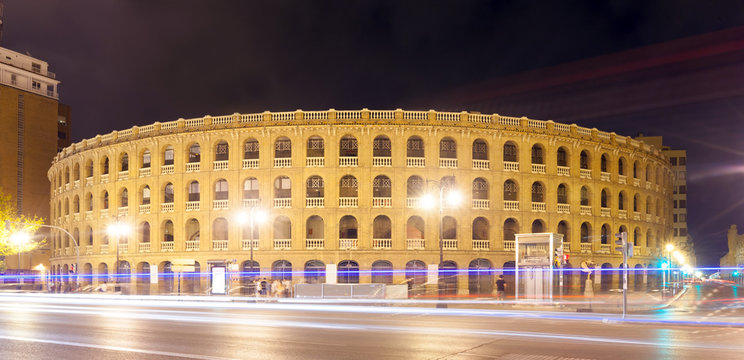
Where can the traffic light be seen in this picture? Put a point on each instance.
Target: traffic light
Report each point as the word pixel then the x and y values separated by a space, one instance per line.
pixel 559 252
pixel 623 245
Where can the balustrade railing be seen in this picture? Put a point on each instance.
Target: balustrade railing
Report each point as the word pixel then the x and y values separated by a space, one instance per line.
pixel 413 203
pixel 192 206
pixel 447 163
pixel 482 204
pixel 511 205
pixel 219 245
pixel 167 169
pixel 636 182
pixel 123 248
pixel 166 246
pixel 382 161
pixel 481 244
pixel 604 176
pixel 622 214
pixel 103 249
pixel 511 166
pixel 314 202
pixel 313 244
pixel 380 202
pixel 564 171
pixel 636 216
pixel 89 181
pixel 481 164
pixel 382 243
pixel 585 173
pixel 123 175
pixel 283 203
pixel 282 244
pixel 76 184
pixel 144 172
pixel 605 248
pixel 218 165
pixel 348 161
pixel 250 163
pixel 248 203
pixel 538 206
pixel 220 204
pixel 192 245
pixel 585 210
pixel 144 247
pixel 586 247
pixel 167 207
pixel 88 249
pixel 538 168
pixel 104 178
pixel 348 202
pixel 564 208
pixel 510 245
pixel 622 179
pixel 348 243
pixel 123 211
pixel 449 244
pixel 415 244
pixel 605 212
pixel 192 167
pixel 282 162
pixel 415 162
pixel 144 208
pixel 245 244
pixel 315 162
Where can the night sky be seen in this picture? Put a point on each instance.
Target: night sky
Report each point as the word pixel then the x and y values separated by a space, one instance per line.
pixel 125 63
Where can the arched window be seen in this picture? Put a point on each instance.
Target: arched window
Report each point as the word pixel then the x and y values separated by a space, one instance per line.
pixel 480 189
pixel 348 272
pixel 124 200
pixel 415 147
pixel 447 148
pixel 382 187
pixel 89 235
pixel 146 158
pixel 621 200
pixel 88 202
pixel 105 200
pixel 348 187
pixel 510 228
pixel 315 148
pixel 621 166
pixel 194 193
pixel 510 190
pixel 481 229
pixel 67 175
pixel 415 228
pixel 168 155
pixel 76 204
pixel 348 147
pixel 67 206
pixel 605 237
pixel 637 203
pixel 649 172
pixel 144 232
pixel 89 169
pixel 538 156
pixel 637 237
pixel 416 276
pixel 584 159
pixel 192 230
pixel 315 272
pixel 649 239
pixel 636 170
pixel 538 192
pixel 105 166
pixel 381 228
pixel 381 147
pixel 281 270
pixel 348 227
pixel 251 149
pixel 222 151
pixel 76 172
pixel 168 194
pixel 538 226
pixel 382 272
pixel 282 228
pixel 649 205
pixel 604 163
pixel 563 230
pixel 314 187
pixel 510 152
pixel 480 150
pixel 146 195
pixel 124 165
pixel 250 189
pixel 194 153
pixel 562 157
pixel 562 194
pixel 168 231
pixel 315 227
pixel 219 229
pixel 585 198
pixel 604 199
pixel 415 187
pixel 220 190
pixel 282 187
pixel 586 232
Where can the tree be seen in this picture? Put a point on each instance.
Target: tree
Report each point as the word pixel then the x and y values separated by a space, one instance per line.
pixel 18 222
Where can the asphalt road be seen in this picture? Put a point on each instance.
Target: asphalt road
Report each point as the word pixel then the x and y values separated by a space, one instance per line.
pixel 113 327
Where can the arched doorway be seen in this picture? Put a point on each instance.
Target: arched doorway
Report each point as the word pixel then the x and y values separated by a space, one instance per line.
pixel 143 278
pixel 249 274
pixel 348 272
pixel 416 277
pixel 448 278
pixel 165 278
pixel 315 272
pixel 480 277
pixel 606 277
pixel 509 276
pixel 638 277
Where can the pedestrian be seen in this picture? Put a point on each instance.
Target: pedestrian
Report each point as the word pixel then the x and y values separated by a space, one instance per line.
pixel 257 287
pixel 500 288
pixel 275 288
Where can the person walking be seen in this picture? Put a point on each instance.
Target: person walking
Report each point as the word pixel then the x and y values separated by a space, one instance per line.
pixel 501 288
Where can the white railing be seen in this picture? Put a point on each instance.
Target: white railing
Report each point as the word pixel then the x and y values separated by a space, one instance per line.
pixel 194 122
pixel 103 213
pixel 247 203
pixel 622 214
pixel 192 167
pixel 448 116
pixel 566 246
pixel 167 207
pixel 648 185
pixel 636 182
pixel 283 203
pixel 219 204
pixel 415 162
pixel 250 163
pixel 382 243
pixel 510 245
pixel 636 216
pixel 511 166
pixel 481 204
pixel 415 115
pixel 245 244
pixel 562 127
pixel 123 211
pixel 192 245
pixel 449 244
pixel 104 178
pixel 192 206
pixel 283 116
pixel 166 246
pixel 604 176
pixel 315 162
pixel 622 179
pixel 413 203
pixel 314 202
pixel 348 161
pixel 167 169
pixel 604 248
pixel 282 162
pixel 146 129
pixel 481 164
pixel 447 163
pixel 67 187
pixel 103 249
pixel 537 124
pixel 123 175
pixel 219 165
pixel 251 117
pixel 382 202
pixel 222 120
pixel 585 210
pixel 88 249
pixel 76 216
pixel 144 247
pixel 415 244
pixel 648 217
pixel 586 247
pixel 123 248
pixel 315 115
pixel 348 243
pixel 170 125
pixel 314 243
pixel 604 212
pixel 538 206
pixel 280 244
pixel 348 202
pixel 89 181
pixel 144 208
pixel 603 135
pixel 585 173
pixel 219 245
pixel 511 205
pixel 564 208
pixel 348 114
pixel 89 215
pixel 480 118
pixel 509 120
pixel 76 184
pixel 143 172
pixel 564 171
pixel 538 168
pixel 382 161
pixel 584 131
pixel 481 244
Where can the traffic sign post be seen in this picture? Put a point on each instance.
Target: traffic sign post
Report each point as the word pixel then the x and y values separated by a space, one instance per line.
pixel 627 250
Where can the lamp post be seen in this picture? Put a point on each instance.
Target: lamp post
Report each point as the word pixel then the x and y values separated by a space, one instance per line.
pixel 251 217
pixel 669 248
pixel 117 229
pixel 427 201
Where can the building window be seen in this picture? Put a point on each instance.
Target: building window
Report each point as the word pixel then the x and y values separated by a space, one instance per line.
pixel 673 161
pixel 683 204
pixel 221 151
pixel 168 156
pixel 683 232
pixel 683 189
pixel 194 153
pixel 36 67
pixel 510 152
pixel 682 161
pixel 35 85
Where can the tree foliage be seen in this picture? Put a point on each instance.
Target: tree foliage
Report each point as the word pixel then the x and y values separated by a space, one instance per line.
pixel 18 222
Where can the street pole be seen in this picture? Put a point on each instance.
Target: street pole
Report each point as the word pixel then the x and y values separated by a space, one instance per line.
pixel 253 213
pixel 440 285
pixel 75 241
pixel 625 283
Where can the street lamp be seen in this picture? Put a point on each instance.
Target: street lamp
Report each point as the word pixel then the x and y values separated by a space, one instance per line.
pixel 669 248
pixel 251 217
pixel 453 198
pixel 118 229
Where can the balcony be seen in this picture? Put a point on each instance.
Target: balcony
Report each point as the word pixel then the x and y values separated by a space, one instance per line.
pixel 511 166
pixel 314 202
pixel 481 244
pixel 192 205
pixel 636 216
pixel 192 167
pixel 249 203
pixel 622 179
pixel 104 178
pixel 566 247
pixel 538 168
pixel 89 181
pixel 314 244
pixel 67 187
pixel 622 214
pixel 636 182
pixel 510 245
pixel 604 212
pixel 219 204
pixel 103 249
pixel 283 203
pixel 382 243
pixel 348 161
pixel 604 248
pixel 144 208
pixel 219 245
pixel 144 247
pixel 604 176
pixel 76 184
pixel 76 217
pixel 564 208
pixel 166 246
pixel 445 163
pixel 585 173
pixel 481 204
pixel 415 162
pixel 68 251
pixel 123 211
pixel 380 161
pixel 538 207
pixel 282 162
pixel 481 164
pixel 345 244
pixel 250 163
pixel 415 244
pixel 167 169
pixel 315 162
pixel 564 171
pixel 123 248
pixel 123 175
pixel 143 172
pixel 103 213
pixel 413 203
pixel 192 245
pixel 648 185
pixel 449 244
pixel 511 205
pixel 282 244
pixel 245 244
pixel 586 247
pixel 219 165
pixel 166 207
pixel 585 210
pixel 346 202
pixel 88 249
pixel 379 202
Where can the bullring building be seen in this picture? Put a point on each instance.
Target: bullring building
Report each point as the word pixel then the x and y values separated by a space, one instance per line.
pixel 347 188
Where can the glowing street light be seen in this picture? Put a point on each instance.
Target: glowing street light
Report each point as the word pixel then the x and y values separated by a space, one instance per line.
pixel 251 217
pixel 117 230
